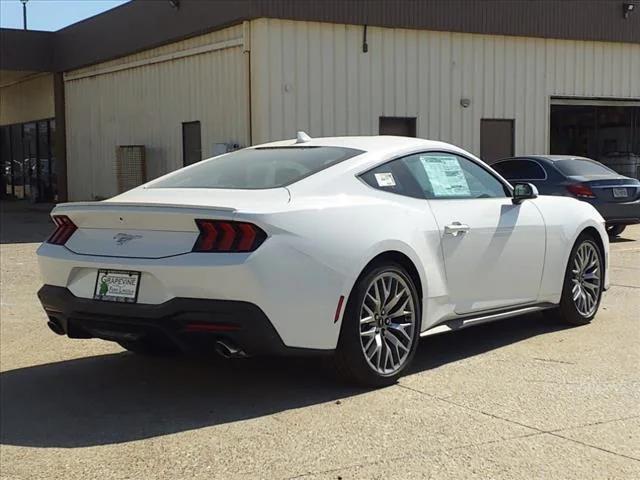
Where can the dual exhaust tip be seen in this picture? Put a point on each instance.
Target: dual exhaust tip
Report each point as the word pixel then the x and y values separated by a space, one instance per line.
pixel 229 350
pixel 55 326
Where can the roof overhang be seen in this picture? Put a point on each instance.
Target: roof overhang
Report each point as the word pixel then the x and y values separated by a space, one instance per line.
pixel 26 50
pixel 140 25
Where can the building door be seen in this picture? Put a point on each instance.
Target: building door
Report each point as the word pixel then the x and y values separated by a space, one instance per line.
pixel 191 143
pixel 399 126
pixel 496 139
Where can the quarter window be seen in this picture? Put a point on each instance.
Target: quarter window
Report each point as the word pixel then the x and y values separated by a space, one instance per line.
pixel 394 177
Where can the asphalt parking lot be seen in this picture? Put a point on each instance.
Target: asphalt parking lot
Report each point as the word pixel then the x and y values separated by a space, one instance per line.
pixel 523 398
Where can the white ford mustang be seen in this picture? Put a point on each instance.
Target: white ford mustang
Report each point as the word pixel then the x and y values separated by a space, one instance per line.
pixel 354 246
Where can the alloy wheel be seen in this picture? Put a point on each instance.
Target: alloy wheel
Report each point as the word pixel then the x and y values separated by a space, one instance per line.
pixel 387 323
pixel 586 279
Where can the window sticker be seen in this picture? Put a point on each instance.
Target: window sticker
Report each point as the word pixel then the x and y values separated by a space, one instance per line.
pixel 385 179
pixel 446 176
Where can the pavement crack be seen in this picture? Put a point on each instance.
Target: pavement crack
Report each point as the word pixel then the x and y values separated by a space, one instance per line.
pixel 409 455
pixel 553 360
pixel 539 431
pixel 625 286
pixel 593 424
pixel 471 409
pixel 594 446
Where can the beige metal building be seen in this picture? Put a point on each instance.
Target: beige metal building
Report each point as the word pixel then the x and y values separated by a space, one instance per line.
pixel 228 77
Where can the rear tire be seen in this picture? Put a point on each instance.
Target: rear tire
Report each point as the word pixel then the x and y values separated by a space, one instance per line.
pixel 379 337
pixel 149 347
pixel 614 230
pixel 583 283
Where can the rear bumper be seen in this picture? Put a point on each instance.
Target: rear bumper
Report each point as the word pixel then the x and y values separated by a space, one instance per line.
pixel 619 213
pixel 191 324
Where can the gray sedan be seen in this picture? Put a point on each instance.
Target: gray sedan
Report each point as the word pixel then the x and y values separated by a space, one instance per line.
pixel 615 196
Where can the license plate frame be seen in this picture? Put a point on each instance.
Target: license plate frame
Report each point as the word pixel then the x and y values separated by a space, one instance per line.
pixel 123 291
pixel 620 193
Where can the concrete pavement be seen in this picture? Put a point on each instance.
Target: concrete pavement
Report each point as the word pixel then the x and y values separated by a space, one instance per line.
pixel 523 398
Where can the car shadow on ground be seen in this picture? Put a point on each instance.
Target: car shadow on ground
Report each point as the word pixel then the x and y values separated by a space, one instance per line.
pixel 118 398
pixel 620 240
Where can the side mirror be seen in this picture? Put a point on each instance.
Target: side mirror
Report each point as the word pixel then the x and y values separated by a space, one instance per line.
pixel 524 191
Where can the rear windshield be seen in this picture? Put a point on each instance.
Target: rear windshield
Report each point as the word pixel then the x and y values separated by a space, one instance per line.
pixel 582 167
pixel 257 168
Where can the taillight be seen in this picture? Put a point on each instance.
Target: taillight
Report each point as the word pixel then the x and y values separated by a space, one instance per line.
pixel 64 229
pixel 581 190
pixel 225 236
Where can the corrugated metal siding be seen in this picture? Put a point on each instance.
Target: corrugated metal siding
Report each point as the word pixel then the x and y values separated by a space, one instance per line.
pixel 147 105
pixel 27 100
pixel 315 77
pixel 199 41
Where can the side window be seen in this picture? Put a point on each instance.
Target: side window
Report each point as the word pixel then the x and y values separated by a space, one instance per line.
pixel 394 177
pixel 520 170
pixel 446 175
pixel 508 169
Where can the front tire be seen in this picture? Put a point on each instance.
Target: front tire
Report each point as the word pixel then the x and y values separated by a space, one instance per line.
pixel 583 282
pixel 380 328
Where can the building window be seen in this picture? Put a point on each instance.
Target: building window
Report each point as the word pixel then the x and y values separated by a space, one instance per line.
pixel 607 133
pixel 5 154
pixel 191 143
pixel 28 164
pixel 496 139
pixel 399 126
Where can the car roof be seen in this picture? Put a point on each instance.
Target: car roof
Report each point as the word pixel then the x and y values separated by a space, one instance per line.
pixel 373 143
pixel 548 158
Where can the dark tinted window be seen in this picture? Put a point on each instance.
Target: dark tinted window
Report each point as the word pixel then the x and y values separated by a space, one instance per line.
pixel 520 170
pixel 257 168
pixel 394 177
pixel 584 167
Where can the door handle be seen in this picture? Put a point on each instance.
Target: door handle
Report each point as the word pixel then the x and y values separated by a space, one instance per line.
pixel 455 228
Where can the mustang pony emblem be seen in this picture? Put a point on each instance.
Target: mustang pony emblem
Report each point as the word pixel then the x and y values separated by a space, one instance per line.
pixel 122 238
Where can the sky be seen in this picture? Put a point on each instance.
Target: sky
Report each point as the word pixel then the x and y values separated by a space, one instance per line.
pixel 52 15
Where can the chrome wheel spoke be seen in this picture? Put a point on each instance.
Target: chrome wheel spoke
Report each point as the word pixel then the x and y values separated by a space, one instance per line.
pixel 401 328
pixel 378 350
pixel 369 311
pixel 594 287
pixel 592 276
pixel 368 333
pixel 366 320
pixel 394 301
pixel 576 291
pixel 395 341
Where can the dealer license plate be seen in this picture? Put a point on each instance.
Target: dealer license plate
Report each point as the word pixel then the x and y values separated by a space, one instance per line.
pixel 619 192
pixel 117 286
